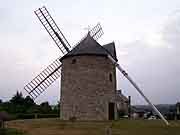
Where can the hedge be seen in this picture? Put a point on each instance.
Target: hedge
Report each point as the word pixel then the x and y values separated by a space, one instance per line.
pixel 48 115
pixel 32 116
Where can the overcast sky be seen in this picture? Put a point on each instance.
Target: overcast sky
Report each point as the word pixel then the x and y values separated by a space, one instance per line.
pixel 146 34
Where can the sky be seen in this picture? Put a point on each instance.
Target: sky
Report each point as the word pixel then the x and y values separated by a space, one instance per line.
pixel 146 35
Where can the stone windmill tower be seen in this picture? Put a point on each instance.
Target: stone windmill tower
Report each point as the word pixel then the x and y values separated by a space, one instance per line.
pixel 88 87
pixel 88 77
pixel 88 84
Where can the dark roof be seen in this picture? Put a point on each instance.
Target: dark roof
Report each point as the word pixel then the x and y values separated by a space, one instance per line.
pixel 89 46
pixel 110 47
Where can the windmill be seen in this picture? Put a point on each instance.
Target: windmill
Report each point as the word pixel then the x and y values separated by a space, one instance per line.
pixel 53 71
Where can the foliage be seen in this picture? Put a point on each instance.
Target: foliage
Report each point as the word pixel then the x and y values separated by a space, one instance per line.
pixel 17 99
pixel 47 115
pixel 32 116
pixel 121 113
pixel 29 102
pixel 45 107
pixel 56 108
pixel 20 107
pixel 23 116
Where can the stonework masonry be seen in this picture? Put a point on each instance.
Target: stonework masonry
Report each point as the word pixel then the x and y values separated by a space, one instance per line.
pixel 88 85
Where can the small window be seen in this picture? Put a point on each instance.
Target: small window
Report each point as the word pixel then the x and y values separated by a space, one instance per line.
pixel 110 77
pixel 73 61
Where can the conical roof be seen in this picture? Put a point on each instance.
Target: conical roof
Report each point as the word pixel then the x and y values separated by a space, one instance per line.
pixel 89 46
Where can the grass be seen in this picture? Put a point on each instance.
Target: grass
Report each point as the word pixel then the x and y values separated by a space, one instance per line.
pixel 10 131
pixel 121 127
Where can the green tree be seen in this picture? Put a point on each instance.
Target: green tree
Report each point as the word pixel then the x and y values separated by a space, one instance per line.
pixel 17 103
pixel 45 107
pixel 33 109
pixel 56 108
pixel 17 99
pixel 6 106
pixel 29 102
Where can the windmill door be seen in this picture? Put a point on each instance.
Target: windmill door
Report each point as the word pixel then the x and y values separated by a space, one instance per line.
pixel 111 111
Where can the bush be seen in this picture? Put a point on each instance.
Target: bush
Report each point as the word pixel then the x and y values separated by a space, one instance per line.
pixel 47 115
pixel 121 114
pixel 23 116
pixel 32 116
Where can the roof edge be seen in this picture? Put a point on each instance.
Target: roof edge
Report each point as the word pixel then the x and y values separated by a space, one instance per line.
pixel 85 54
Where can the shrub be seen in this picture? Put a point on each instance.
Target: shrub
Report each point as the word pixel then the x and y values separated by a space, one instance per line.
pixel 47 115
pixel 24 116
pixel 32 116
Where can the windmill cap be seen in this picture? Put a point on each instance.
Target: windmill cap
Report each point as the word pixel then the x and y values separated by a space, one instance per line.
pixel 89 46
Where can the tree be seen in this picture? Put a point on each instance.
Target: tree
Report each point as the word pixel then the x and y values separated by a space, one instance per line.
pixel 17 103
pixel 34 109
pixel 4 107
pixel 45 107
pixel 56 108
pixel 1 101
pixel 17 99
pixel 29 102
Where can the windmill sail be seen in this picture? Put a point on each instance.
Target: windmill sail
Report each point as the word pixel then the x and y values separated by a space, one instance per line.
pixel 96 32
pixel 44 79
pixel 53 30
pixel 53 71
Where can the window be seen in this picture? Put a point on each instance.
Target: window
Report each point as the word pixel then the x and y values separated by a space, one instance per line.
pixel 110 77
pixel 73 61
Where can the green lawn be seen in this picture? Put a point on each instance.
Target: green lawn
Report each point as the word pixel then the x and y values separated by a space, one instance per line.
pixel 10 131
pixel 121 127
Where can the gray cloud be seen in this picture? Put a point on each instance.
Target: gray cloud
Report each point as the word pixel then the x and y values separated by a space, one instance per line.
pixel 155 68
pixel 26 48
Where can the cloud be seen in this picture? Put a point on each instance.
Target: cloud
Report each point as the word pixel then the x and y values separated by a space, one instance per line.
pixel 155 67
pixel 149 53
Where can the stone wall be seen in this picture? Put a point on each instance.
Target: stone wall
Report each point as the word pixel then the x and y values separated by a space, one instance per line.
pixel 88 84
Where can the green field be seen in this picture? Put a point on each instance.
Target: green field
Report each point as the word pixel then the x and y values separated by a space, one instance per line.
pixel 121 127
pixel 10 131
